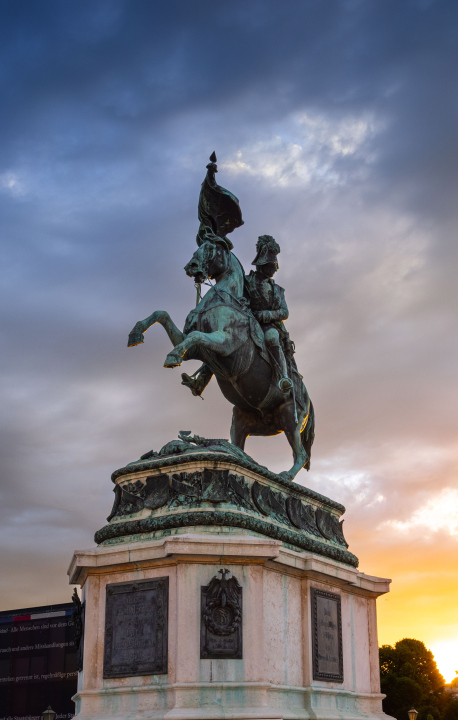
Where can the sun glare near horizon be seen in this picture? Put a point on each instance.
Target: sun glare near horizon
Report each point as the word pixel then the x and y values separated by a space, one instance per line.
pixel 446 656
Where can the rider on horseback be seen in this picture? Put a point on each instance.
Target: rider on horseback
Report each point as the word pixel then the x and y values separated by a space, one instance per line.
pixel 237 331
pixel 268 305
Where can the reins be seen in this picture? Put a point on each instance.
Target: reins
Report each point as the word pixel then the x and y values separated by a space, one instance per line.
pixel 199 292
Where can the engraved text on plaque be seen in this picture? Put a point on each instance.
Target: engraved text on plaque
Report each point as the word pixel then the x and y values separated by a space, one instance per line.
pixel 136 628
pixel 326 636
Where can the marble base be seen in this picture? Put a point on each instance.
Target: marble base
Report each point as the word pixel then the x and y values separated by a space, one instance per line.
pixel 275 677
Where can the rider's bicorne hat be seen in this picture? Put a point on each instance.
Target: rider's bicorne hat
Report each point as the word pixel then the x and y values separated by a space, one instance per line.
pixel 267 250
pixel 219 210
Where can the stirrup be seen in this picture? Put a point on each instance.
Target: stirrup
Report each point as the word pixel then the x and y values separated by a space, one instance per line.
pixel 191 383
pixel 285 385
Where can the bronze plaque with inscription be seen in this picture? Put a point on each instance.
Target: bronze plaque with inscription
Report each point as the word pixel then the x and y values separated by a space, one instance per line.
pixel 136 628
pixel 326 636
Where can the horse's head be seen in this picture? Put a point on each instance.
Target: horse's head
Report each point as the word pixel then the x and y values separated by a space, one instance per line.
pixel 210 260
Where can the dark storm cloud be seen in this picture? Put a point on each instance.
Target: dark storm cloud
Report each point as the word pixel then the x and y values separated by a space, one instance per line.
pixel 335 124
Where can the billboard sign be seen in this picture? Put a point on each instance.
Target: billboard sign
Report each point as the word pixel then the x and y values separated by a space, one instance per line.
pixel 37 662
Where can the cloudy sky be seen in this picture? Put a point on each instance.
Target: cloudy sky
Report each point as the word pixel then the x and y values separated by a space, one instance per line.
pixel 335 123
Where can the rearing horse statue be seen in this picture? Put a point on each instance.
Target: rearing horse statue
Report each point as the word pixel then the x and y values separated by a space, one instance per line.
pixel 223 332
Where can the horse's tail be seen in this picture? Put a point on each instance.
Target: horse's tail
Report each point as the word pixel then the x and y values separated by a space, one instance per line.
pixel 308 435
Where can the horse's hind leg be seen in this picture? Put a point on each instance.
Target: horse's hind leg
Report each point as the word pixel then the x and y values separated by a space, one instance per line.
pixel 292 431
pixel 240 427
pixel 246 423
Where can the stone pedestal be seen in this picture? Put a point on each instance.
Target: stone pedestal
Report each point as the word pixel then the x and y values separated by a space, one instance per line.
pixel 281 669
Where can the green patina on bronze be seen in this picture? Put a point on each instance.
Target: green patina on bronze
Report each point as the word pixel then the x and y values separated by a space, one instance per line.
pixel 237 331
pixel 228 519
pixel 217 452
pixel 196 474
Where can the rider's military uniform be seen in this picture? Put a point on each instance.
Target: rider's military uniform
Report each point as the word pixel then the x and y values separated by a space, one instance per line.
pixel 268 297
pixel 268 305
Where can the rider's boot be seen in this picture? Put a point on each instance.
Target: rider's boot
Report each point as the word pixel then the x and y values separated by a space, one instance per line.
pixel 197 384
pixel 285 384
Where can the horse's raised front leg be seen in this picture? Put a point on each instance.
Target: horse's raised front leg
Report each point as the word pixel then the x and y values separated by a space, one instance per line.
pixel 158 316
pixel 218 341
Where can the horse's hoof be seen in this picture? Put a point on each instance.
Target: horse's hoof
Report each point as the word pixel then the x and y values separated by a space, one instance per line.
pixel 285 475
pixel 135 338
pixel 172 360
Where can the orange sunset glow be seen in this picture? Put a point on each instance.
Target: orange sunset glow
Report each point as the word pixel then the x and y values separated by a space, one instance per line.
pixel 410 611
pixel 335 125
pixel 422 600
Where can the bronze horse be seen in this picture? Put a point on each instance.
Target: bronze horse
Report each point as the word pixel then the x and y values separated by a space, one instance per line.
pixel 223 333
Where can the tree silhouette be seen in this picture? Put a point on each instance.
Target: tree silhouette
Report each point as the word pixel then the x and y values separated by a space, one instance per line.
pixel 410 678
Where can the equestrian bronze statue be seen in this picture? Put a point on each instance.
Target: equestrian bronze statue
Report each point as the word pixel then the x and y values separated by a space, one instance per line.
pixel 237 330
